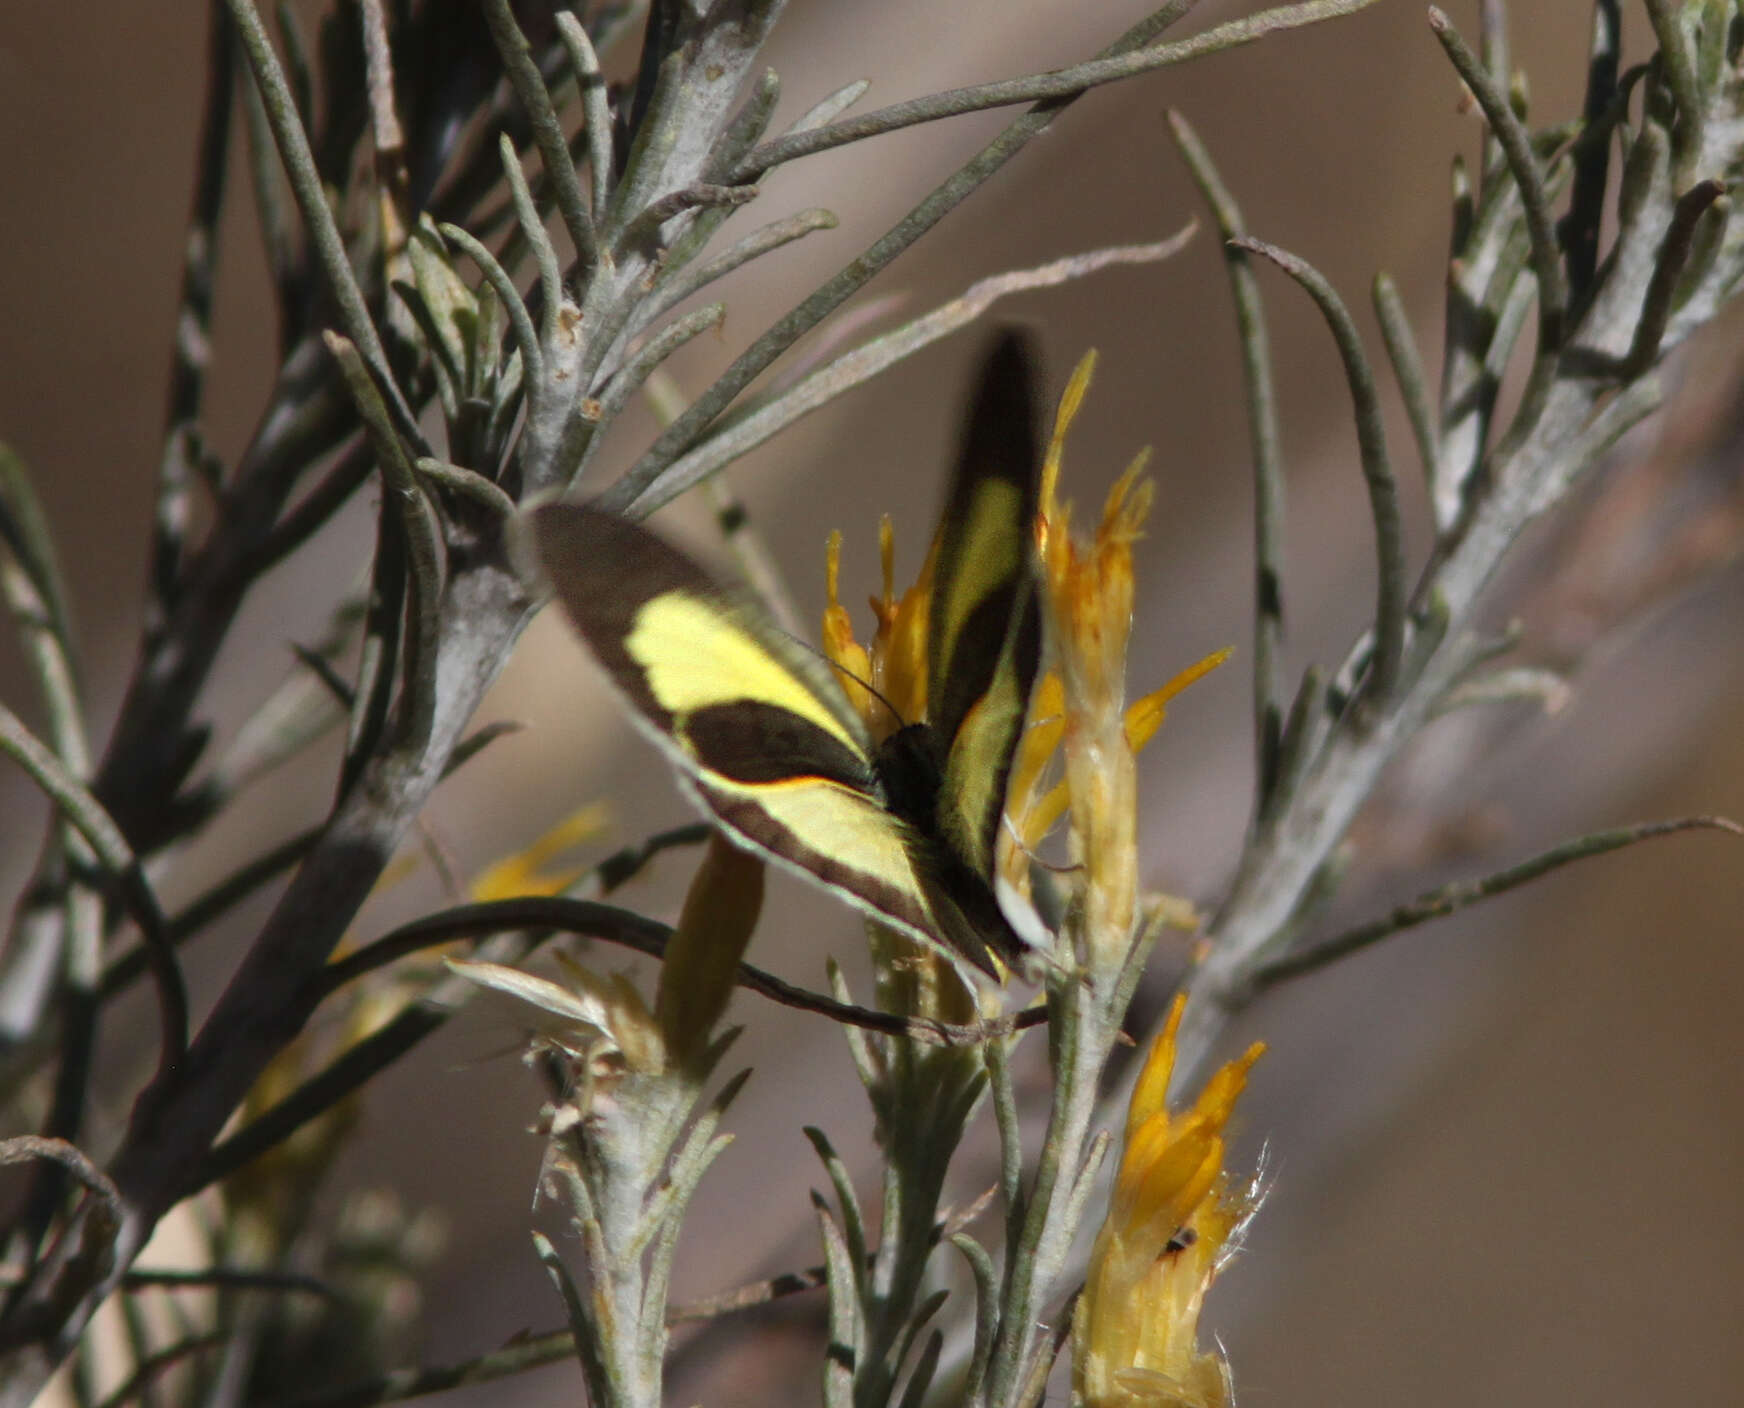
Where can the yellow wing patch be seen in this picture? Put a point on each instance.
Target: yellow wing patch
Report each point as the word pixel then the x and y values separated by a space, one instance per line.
pixel 997 552
pixel 693 656
pixel 836 835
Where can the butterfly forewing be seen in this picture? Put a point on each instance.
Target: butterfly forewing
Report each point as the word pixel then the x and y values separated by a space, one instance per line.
pixel 763 735
pixel 673 639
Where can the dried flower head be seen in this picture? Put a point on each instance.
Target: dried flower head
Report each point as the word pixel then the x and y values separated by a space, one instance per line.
pixel 1173 1223
pixel 600 1022
pixel 1079 709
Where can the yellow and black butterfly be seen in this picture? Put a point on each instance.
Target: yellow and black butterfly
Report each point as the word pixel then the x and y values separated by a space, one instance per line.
pixel 764 735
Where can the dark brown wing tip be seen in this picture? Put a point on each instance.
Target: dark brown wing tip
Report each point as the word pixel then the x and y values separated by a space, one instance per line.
pixel 1002 436
pixel 586 551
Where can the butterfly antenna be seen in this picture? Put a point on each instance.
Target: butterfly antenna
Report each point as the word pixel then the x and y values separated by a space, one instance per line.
pixel 840 669
pixel 871 689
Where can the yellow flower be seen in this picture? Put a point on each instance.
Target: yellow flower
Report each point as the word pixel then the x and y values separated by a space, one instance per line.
pixel 1079 709
pixel 1173 1224
pixel 527 872
pixel 1035 799
pixel 893 662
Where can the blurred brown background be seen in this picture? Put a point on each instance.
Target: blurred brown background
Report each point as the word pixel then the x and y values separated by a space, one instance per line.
pixel 1505 1149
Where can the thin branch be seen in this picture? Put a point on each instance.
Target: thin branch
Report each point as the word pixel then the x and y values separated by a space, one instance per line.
pixel 521 1354
pixel 1408 372
pixel 1268 458
pixel 361 1061
pixel 423 539
pixel 533 1351
pixel 57 942
pixel 697 277
pixel 548 135
pixel 242 882
pixel 30 582
pixel 643 365
pixel 379 654
pixel 595 111
pixel 298 713
pixel 191 350
pixel 526 338
pixel 1668 270
pixel 533 231
pixel 1680 77
pixel 1450 899
pixel 1523 164
pixel 1377 470
pixel 384 121
pixel 1065 83
pixel 201 912
pixel 274 220
pixel 229 1278
pixel 344 1077
pixel 757 565
pixel 30 1148
pixel 644 229
pixel 312 512
pixel 1592 161
pixel 622 866
pixel 739 436
pixel 218 901
pixel 75 802
pixel 306 184
pixel 683 434
pixel 588 919
pixel 747 1297
pixel 337 686
pixel 133 1388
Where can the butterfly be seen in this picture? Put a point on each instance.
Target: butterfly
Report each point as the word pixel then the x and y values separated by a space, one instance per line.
pixel 762 732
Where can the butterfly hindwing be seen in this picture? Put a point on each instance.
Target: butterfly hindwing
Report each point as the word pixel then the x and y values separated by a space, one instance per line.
pixel 984 628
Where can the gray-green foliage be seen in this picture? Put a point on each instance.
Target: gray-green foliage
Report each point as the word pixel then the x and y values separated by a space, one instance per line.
pixel 408 300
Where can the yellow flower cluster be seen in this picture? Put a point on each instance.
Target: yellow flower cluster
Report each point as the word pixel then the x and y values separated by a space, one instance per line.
pixel 893 663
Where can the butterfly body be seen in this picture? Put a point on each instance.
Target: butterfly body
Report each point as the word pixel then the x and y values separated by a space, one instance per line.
pixel 761 729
